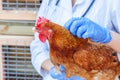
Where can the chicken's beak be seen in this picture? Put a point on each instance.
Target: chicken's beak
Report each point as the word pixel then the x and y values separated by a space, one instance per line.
pixel 34 29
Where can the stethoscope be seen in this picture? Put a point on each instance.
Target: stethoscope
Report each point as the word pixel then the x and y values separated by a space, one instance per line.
pixel 57 2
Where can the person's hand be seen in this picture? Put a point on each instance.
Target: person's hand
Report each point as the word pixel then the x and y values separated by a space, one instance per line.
pixel 62 74
pixel 85 28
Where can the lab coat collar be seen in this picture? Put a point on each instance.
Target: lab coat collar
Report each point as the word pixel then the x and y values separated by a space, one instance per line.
pixel 67 4
pixel 83 5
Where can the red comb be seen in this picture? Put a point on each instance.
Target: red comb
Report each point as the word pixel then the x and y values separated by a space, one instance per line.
pixel 40 21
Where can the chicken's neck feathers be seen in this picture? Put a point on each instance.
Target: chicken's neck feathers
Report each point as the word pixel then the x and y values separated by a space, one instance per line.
pixel 62 38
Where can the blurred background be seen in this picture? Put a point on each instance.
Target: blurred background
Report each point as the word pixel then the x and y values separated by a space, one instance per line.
pixel 17 17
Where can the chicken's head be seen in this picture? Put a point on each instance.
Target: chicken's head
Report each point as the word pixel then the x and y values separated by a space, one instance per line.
pixel 44 31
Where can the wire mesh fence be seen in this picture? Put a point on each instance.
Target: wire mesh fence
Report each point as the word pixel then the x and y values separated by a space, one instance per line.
pixel 17 63
pixel 21 4
pixel 19 10
pixel 16 59
pixel 17 16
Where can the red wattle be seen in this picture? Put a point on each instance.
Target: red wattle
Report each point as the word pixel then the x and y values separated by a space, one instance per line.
pixel 42 38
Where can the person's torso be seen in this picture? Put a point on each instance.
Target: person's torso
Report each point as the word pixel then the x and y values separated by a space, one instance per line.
pixel 98 12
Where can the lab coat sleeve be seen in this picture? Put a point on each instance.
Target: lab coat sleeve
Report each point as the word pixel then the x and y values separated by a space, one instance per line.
pixel 39 53
pixel 115 14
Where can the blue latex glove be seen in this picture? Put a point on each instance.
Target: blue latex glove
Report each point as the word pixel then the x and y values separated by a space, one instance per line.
pixel 85 28
pixel 62 75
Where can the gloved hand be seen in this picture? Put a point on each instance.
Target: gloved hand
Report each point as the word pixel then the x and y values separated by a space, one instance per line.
pixel 62 74
pixel 85 28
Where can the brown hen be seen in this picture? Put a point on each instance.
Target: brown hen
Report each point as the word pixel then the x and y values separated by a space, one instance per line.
pixel 92 61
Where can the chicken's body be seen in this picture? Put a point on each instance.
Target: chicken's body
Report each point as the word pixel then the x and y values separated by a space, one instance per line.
pixel 81 57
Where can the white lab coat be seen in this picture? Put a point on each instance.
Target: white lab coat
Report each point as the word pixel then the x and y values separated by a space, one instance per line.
pixel 104 12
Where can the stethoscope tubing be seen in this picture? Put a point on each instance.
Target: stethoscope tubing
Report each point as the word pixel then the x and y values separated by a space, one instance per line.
pixel 88 8
pixel 55 3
